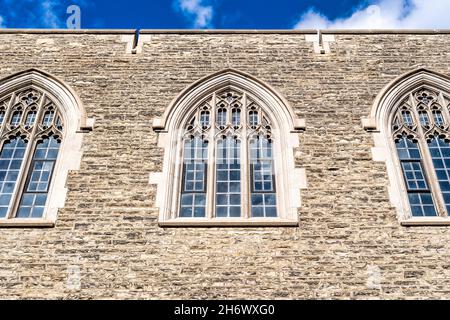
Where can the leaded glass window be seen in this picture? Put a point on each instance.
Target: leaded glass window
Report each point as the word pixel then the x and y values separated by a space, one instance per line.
pixel 228 166
pixel 31 133
pixel 422 142
pixel 15 118
pixel 407 118
pixel 31 118
pixel 438 117
pixel 423 118
pixel 440 154
pixel 228 177
pixel 236 117
pixel 2 115
pixel 263 197
pixel 11 158
pixel 193 196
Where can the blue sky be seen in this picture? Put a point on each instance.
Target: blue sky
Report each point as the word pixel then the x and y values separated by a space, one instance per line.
pixel 228 14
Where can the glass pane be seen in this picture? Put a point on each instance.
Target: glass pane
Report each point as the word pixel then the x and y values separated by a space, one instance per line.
pixel 228 173
pixel 423 117
pixel 257 212
pixel 438 118
pixel 193 193
pixel 222 117
pixel 40 175
pixel 236 117
pixel 48 118
pixel 36 188
pixel 15 119
pixel 221 212
pixel 407 149
pixel 204 118
pixel 253 118
pixel 59 123
pixel 407 118
pixel 413 174
pixel 193 205
pixel 31 117
pixel 11 158
pixel 235 212
pixel 410 159
pixel 421 204
pixel 440 153
pixel 199 211
pixel 185 212
pixel 263 198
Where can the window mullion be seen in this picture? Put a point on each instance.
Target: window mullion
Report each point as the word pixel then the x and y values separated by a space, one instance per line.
pixel 445 112
pixel 446 115
pixel 7 114
pixel 245 176
pixel 26 163
pixel 430 173
pixel 211 172
pixel 180 171
pixel 5 120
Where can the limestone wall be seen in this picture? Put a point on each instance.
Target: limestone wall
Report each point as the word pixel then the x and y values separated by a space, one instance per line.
pixel 349 243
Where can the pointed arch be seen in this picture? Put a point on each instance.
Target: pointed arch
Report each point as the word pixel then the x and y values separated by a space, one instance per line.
pixel 69 102
pixel 278 107
pixel 283 127
pixel 53 120
pixel 387 98
pixel 408 116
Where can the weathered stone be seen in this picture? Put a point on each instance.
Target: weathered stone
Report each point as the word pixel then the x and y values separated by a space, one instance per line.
pixel 108 227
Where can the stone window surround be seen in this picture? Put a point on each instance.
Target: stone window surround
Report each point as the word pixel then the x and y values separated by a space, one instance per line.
pixel 75 125
pixel 379 123
pixel 286 128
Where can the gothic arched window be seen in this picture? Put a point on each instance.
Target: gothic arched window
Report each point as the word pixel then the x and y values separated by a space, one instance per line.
pixel 420 132
pixel 229 156
pixel 239 133
pixel 412 116
pixel 41 123
pixel 31 134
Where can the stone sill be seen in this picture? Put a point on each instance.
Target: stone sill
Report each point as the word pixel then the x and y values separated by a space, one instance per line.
pixel 26 223
pixel 66 31
pixel 224 31
pixel 417 222
pixel 227 222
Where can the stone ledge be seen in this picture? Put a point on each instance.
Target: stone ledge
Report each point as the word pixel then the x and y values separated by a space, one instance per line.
pixel 369 124
pixel 295 31
pixel 300 125
pixel 226 222
pixel 417 222
pixel 67 31
pixel 225 31
pixel 27 223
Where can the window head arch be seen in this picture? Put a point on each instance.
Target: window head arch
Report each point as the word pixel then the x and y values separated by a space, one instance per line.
pixel 242 114
pixel 40 140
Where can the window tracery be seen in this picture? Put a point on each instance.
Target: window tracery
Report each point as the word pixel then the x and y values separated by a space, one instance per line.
pixel 420 132
pixel 239 133
pixel 31 133
pixel 228 112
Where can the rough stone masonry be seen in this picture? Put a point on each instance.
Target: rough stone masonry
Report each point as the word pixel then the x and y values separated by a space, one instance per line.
pixel 107 242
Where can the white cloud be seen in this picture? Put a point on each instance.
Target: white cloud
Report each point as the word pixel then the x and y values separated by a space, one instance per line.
pixel 32 14
pixel 50 18
pixel 384 14
pixel 200 15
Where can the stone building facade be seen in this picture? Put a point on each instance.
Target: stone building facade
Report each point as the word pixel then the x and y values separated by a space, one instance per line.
pixel 350 236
